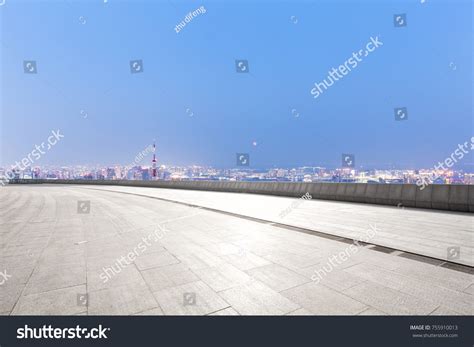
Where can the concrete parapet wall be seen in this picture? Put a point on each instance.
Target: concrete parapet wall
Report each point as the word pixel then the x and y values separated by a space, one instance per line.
pixel 436 196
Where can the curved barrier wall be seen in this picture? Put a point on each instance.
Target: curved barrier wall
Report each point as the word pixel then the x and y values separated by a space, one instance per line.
pixel 452 197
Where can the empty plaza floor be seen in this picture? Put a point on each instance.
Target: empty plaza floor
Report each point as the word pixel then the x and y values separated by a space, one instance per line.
pixel 70 250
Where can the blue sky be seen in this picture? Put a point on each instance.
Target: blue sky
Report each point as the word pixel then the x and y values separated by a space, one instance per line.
pixel 83 50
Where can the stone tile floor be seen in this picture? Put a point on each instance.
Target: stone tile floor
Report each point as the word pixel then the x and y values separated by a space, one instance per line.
pixel 426 232
pixel 126 254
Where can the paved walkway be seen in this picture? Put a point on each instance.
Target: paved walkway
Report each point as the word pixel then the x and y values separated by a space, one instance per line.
pixel 428 232
pixel 127 254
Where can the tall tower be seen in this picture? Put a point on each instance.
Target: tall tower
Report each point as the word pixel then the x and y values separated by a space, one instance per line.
pixel 153 162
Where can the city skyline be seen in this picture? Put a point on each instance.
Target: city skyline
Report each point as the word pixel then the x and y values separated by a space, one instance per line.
pixel 458 160
pixel 143 172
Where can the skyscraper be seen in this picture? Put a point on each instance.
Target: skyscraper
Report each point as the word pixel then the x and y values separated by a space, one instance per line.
pixel 153 162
